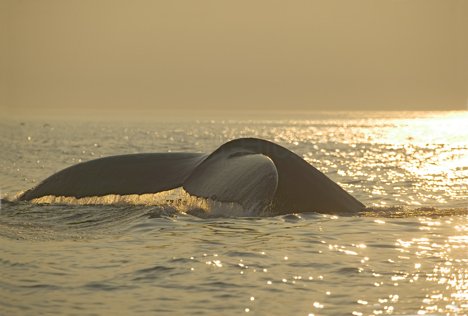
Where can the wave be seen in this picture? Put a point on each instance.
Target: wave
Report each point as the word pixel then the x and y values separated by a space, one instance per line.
pixel 60 218
pixel 179 202
pixel 406 211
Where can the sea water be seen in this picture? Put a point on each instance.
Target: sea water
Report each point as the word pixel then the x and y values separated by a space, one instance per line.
pixel 406 254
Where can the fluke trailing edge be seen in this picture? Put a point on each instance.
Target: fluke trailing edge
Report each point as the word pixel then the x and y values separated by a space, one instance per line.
pixel 255 173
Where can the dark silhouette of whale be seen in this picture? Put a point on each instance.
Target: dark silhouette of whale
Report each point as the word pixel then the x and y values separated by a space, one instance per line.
pixel 257 174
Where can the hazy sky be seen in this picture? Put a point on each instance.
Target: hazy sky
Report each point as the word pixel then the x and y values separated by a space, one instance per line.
pixel 278 55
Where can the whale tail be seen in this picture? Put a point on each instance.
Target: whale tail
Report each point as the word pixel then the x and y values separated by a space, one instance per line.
pixel 255 173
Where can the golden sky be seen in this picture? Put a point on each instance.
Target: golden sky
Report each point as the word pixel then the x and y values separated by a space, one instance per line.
pixel 235 55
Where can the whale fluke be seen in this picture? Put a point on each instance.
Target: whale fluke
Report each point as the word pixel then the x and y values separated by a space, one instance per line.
pixel 247 178
pixel 123 174
pixel 257 174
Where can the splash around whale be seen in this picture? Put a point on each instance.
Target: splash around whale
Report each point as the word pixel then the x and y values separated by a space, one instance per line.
pixel 259 175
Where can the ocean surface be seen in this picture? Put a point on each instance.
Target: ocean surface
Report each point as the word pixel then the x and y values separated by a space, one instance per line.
pixel 406 254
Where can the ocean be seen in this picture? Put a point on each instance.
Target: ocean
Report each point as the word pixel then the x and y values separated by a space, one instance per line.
pixel 405 254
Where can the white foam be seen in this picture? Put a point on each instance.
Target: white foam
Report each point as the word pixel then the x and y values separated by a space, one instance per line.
pixel 177 198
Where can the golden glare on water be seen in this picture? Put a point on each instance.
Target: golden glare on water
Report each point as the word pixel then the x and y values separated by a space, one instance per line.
pixel 416 159
pixel 438 157
pixel 431 128
pixel 447 276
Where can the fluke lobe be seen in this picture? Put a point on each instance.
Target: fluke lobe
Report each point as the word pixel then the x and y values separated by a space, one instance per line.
pixel 259 175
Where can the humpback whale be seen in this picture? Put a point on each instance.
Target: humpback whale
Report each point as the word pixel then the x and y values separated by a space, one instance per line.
pixel 257 174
